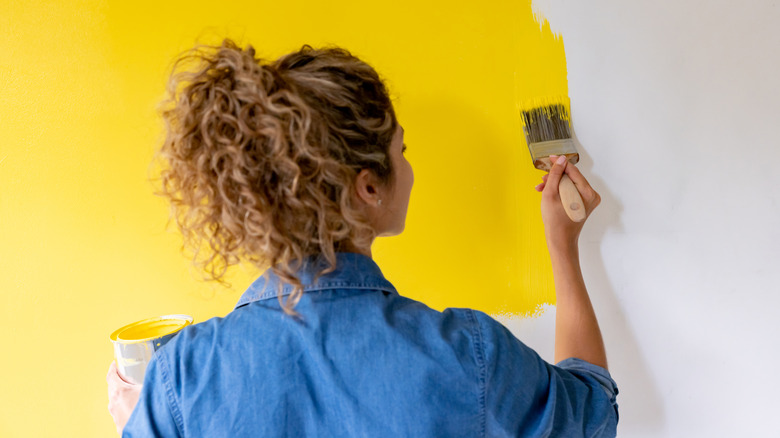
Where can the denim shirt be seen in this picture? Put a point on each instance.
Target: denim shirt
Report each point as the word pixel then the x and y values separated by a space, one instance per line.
pixel 363 361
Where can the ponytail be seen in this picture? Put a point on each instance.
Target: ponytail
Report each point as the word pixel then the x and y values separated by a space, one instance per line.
pixel 260 158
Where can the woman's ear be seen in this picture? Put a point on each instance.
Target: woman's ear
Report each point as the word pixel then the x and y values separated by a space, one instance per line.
pixel 366 186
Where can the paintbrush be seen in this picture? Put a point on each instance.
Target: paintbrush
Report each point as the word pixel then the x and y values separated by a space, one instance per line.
pixel 547 127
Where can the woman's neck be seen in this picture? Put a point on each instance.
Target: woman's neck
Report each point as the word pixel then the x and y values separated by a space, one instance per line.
pixel 350 247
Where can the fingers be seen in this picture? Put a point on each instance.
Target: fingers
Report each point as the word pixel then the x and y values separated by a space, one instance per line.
pixel 577 178
pixel 540 187
pixel 122 397
pixel 554 177
pixel 111 371
pixel 114 378
pixel 583 186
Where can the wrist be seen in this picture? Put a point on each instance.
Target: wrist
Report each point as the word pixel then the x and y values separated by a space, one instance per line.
pixel 563 248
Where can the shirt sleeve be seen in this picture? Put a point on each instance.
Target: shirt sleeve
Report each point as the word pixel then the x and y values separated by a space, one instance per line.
pixel 157 413
pixel 526 396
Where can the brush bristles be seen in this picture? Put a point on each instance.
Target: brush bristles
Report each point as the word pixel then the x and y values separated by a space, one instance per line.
pixel 546 123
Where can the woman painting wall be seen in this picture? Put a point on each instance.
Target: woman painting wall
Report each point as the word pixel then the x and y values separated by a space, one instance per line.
pixel 298 164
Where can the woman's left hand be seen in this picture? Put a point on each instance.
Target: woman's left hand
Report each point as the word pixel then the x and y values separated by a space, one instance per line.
pixel 122 397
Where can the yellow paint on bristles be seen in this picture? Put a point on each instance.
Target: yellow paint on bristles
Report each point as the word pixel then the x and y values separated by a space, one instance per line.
pixel 552 107
pixel 545 103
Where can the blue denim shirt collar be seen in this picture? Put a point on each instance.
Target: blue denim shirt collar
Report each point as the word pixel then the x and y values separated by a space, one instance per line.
pixel 353 271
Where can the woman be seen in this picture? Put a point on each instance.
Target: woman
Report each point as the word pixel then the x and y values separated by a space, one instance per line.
pixel 298 165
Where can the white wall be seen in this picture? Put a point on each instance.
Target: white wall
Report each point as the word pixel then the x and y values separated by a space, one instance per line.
pixel 675 109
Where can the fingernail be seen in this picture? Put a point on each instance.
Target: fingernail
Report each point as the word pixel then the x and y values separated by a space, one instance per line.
pixel 561 159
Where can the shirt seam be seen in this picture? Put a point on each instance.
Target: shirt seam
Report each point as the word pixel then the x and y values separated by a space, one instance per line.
pixel 348 285
pixel 479 352
pixel 170 397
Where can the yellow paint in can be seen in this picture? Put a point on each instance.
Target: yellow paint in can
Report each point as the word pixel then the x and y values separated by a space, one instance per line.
pixel 151 328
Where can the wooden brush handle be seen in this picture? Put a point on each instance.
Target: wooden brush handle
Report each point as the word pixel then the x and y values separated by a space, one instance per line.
pixel 571 199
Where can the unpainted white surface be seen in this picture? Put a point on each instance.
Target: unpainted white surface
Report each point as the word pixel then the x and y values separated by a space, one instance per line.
pixel 675 112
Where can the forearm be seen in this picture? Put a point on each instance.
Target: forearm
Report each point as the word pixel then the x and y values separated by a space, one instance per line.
pixel 577 331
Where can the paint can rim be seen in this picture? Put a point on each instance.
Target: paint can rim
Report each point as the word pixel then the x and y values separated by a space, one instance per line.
pixel 116 335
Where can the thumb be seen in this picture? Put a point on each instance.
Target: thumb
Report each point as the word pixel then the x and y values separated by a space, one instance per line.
pixel 556 173
pixel 116 378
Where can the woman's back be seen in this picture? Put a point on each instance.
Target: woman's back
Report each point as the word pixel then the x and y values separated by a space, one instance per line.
pixel 361 360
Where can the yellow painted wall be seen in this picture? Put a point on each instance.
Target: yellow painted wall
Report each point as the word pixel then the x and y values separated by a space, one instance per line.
pixel 83 242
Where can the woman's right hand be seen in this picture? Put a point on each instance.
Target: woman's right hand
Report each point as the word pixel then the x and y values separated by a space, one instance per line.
pixel 562 233
pixel 577 332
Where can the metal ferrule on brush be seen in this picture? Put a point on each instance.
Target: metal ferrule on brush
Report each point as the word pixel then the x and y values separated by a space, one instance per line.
pixel 553 147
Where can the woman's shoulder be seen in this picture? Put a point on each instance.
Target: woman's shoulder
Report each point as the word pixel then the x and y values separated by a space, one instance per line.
pixel 192 336
pixel 215 329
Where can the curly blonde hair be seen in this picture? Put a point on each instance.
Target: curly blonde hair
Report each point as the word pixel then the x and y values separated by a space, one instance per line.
pixel 260 158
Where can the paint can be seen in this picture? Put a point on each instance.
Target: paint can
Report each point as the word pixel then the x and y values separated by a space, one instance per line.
pixel 134 344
